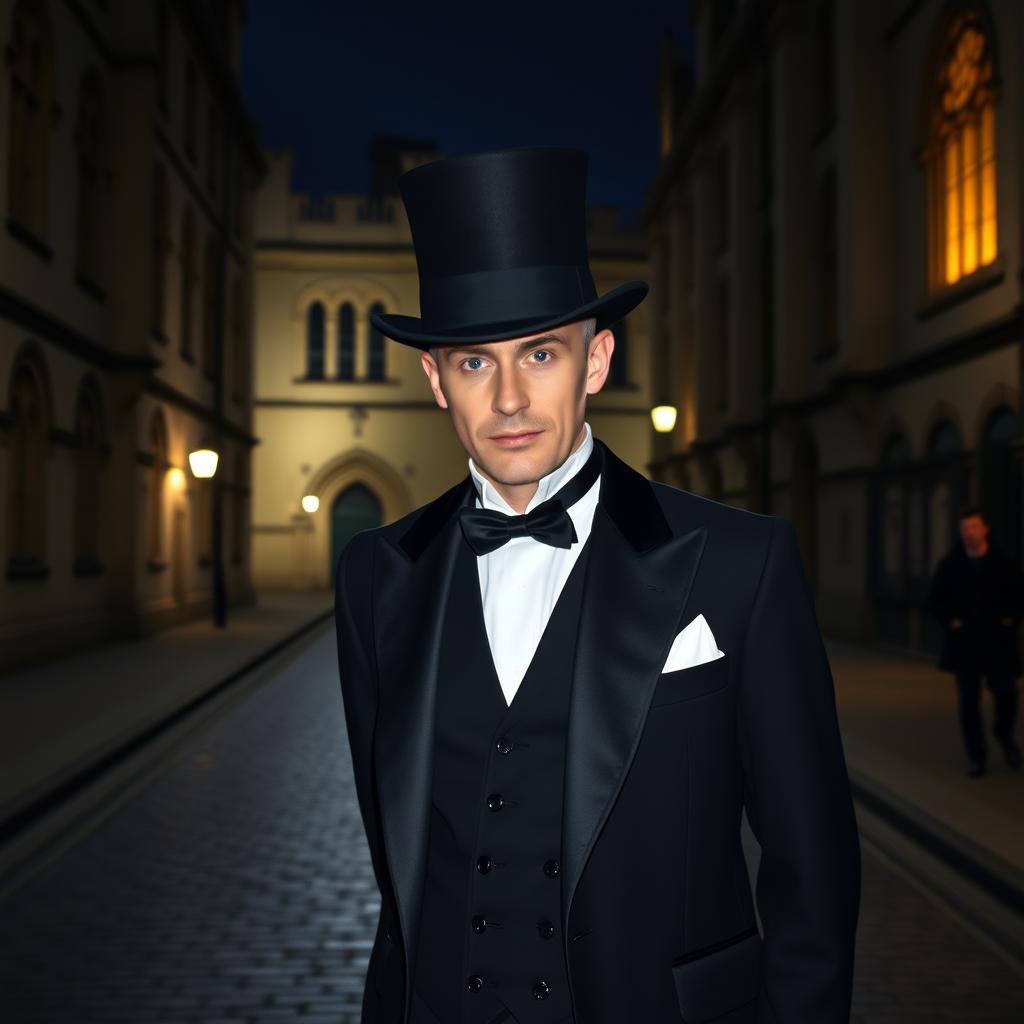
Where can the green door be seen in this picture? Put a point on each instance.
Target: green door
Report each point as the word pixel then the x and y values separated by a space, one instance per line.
pixel 356 508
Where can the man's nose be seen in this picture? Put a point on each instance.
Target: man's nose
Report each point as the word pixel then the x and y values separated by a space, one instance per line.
pixel 510 394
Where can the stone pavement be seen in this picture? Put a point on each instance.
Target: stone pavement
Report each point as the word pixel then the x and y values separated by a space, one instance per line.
pixel 60 718
pixel 235 885
pixel 902 741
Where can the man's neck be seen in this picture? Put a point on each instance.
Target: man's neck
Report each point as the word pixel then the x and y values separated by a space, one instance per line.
pixel 518 496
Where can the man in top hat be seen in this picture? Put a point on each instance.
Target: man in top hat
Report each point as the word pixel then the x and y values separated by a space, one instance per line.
pixel 563 683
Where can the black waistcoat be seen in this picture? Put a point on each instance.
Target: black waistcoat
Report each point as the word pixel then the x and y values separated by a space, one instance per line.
pixel 490 938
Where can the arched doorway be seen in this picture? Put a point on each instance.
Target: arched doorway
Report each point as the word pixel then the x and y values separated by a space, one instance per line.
pixel 355 508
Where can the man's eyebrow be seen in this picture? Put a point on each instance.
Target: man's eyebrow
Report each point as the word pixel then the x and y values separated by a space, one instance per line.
pixel 523 346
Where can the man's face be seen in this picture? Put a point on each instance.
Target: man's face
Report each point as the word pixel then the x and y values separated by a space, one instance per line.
pixel 535 386
pixel 973 530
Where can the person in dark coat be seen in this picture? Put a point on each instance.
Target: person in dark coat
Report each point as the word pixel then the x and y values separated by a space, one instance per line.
pixel 977 594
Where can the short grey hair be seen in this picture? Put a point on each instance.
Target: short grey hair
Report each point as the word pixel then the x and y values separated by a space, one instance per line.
pixel 589 330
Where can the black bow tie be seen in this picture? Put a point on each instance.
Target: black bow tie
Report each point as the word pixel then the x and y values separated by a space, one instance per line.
pixel 486 529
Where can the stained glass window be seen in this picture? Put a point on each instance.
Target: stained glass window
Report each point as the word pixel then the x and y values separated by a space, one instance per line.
pixel 963 154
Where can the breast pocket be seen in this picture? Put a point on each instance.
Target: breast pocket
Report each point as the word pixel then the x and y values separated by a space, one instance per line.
pixel 693 681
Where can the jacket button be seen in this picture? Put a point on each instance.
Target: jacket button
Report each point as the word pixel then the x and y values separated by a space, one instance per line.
pixel 545 929
pixel 551 868
pixel 479 923
pixel 495 802
pixel 504 745
pixel 474 983
pixel 484 864
pixel 541 989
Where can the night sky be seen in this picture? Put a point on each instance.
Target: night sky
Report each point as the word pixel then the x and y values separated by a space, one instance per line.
pixel 321 76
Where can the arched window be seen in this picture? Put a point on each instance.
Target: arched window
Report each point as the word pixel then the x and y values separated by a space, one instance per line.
pixel 346 342
pixel 91 218
pixel 315 341
pixel 376 354
pixel 944 439
pixel 161 249
pixel 26 482
pixel 155 503
pixel 209 342
pixel 88 457
pixel 828 263
pixel 961 151
pixel 31 63
pixel 1000 484
pixel 238 347
pixel 188 282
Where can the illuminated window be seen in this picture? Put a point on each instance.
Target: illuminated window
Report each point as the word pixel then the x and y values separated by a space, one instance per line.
pixel 962 154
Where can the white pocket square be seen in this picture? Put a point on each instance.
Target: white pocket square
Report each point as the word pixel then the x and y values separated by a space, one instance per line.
pixel 693 646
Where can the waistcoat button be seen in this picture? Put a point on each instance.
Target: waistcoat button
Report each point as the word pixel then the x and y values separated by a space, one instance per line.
pixel 479 923
pixel 545 928
pixel 541 989
pixel 495 802
pixel 551 868
pixel 484 864
pixel 504 745
pixel 474 983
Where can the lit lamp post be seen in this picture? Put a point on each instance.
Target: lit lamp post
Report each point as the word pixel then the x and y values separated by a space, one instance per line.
pixel 203 462
pixel 664 418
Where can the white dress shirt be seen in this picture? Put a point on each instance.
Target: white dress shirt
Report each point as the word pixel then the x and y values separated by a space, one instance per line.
pixel 521 580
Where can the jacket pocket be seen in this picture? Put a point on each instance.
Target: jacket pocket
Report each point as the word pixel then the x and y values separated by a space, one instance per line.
pixel 693 681
pixel 712 981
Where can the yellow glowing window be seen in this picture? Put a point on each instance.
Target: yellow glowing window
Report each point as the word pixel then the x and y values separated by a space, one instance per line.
pixel 963 155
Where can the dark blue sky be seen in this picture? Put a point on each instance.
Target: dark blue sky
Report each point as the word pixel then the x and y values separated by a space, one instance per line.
pixel 321 76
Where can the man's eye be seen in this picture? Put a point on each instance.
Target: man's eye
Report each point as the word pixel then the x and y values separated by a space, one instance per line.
pixel 543 352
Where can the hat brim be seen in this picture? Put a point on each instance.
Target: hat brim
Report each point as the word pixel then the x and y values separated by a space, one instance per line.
pixel 608 309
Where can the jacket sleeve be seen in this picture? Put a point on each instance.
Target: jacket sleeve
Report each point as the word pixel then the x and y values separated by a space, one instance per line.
pixel 797 798
pixel 356 670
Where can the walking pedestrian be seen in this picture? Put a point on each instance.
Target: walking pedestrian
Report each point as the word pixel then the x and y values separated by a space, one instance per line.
pixel 977 594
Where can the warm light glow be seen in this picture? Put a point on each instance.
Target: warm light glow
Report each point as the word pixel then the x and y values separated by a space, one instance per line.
pixel 176 478
pixel 965 155
pixel 310 503
pixel 664 418
pixel 203 462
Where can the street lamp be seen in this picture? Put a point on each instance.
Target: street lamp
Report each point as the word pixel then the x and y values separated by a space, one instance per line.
pixel 203 462
pixel 310 503
pixel 664 418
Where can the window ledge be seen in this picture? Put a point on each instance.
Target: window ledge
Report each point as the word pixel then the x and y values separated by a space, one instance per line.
pixel 87 565
pixel 26 568
pixel 949 295
pixel 90 287
pixel 29 238
pixel 345 380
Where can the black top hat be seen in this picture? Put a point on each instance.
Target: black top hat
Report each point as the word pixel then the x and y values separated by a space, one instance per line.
pixel 501 249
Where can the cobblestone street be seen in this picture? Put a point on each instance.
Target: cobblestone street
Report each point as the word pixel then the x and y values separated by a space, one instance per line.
pixel 236 886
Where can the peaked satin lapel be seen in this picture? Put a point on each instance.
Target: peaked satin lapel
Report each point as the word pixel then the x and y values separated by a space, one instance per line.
pixel 411 587
pixel 638 581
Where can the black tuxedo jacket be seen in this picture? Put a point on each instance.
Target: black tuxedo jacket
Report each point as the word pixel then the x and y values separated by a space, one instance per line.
pixel 656 903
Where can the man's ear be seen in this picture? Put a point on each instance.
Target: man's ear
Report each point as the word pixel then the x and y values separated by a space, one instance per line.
pixel 433 372
pixel 599 360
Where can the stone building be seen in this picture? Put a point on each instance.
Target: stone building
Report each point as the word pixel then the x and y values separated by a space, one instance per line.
pixel 837 307
pixel 345 415
pixel 127 171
